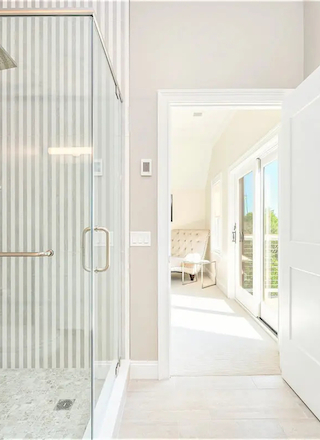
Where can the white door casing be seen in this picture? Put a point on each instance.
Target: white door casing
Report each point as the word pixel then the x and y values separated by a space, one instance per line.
pixel 299 232
pixel 233 98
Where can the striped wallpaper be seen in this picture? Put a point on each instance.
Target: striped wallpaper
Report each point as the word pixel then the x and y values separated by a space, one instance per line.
pixel 45 199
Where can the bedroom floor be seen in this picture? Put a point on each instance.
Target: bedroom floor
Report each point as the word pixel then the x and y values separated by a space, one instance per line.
pixel 212 335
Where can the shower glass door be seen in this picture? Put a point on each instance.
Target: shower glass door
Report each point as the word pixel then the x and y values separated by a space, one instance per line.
pixel 107 165
pixel 60 227
pixel 46 200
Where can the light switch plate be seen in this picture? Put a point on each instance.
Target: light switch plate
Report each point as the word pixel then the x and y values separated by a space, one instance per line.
pixel 140 238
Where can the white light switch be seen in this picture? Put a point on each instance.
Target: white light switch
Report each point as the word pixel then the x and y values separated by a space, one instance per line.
pixel 140 238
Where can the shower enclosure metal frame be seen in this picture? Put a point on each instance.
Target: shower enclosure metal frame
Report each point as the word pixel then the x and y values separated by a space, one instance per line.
pixel 88 13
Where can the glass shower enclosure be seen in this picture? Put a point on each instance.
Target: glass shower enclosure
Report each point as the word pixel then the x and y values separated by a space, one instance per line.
pixel 60 225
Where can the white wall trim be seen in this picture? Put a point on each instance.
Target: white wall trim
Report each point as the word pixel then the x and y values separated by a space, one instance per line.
pixel 232 98
pixel 144 370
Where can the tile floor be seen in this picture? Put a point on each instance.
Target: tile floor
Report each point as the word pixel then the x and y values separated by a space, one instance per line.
pixel 213 335
pixel 234 407
pixel 226 384
pixel 28 398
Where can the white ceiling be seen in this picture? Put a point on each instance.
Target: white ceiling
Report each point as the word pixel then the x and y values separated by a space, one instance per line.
pixel 192 141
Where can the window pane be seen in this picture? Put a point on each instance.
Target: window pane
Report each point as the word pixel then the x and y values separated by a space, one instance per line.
pixel 246 231
pixel 270 209
pixel 216 217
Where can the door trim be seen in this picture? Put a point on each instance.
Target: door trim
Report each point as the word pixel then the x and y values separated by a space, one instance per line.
pixel 232 98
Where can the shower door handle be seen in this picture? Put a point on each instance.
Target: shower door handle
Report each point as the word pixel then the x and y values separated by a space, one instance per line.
pixel 48 253
pixel 83 249
pixel 107 265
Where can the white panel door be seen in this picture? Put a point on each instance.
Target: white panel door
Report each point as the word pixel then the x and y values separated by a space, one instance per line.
pixel 299 178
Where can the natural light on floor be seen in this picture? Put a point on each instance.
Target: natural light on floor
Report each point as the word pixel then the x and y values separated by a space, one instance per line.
pixel 200 303
pixel 209 315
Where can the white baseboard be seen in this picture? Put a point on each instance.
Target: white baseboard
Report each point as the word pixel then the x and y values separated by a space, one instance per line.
pixel 209 273
pixel 144 370
pixel 222 287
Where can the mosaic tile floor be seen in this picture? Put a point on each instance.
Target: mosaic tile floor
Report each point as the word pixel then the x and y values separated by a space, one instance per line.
pixel 28 399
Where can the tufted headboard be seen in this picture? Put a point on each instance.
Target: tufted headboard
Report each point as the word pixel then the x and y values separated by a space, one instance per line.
pixel 189 241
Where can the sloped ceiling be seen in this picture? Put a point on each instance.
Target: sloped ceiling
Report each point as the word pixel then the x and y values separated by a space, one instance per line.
pixel 193 138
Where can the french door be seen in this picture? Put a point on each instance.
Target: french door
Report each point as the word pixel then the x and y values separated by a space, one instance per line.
pixel 270 188
pixel 257 236
pixel 246 255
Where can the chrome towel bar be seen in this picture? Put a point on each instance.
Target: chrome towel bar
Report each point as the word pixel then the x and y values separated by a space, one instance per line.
pixel 48 253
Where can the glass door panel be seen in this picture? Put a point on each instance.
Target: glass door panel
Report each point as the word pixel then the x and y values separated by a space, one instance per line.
pixel 246 190
pixel 107 230
pixel 246 291
pixel 269 306
pixel 45 203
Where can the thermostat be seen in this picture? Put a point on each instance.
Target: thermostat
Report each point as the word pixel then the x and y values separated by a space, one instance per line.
pixel 146 167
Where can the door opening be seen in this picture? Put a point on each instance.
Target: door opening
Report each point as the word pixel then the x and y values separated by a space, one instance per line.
pixel 210 333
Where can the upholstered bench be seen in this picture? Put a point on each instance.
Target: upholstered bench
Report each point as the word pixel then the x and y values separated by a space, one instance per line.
pixel 188 244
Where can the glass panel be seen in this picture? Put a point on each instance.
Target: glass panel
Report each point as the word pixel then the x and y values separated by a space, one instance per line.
pixel 216 217
pixel 246 231
pixel 107 235
pixel 270 209
pixel 45 197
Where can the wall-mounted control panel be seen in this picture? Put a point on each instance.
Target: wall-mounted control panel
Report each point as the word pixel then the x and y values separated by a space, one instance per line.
pixel 140 238
pixel 146 167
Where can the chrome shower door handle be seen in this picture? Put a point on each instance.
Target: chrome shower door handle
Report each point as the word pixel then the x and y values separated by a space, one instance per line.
pixel 83 249
pixel 107 265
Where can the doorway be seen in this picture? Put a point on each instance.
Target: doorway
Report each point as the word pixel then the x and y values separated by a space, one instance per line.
pixel 210 333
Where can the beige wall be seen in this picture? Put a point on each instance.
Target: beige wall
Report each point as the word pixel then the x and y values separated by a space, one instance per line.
pixel 189 209
pixel 311 36
pixel 245 129
pixel 194 45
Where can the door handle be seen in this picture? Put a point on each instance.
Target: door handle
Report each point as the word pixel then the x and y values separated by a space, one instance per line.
pixel 48 253
pixel 107 265
pixel 234 234
pixel 83 249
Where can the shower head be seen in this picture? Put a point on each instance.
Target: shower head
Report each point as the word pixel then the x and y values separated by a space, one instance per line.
pixel 6 62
